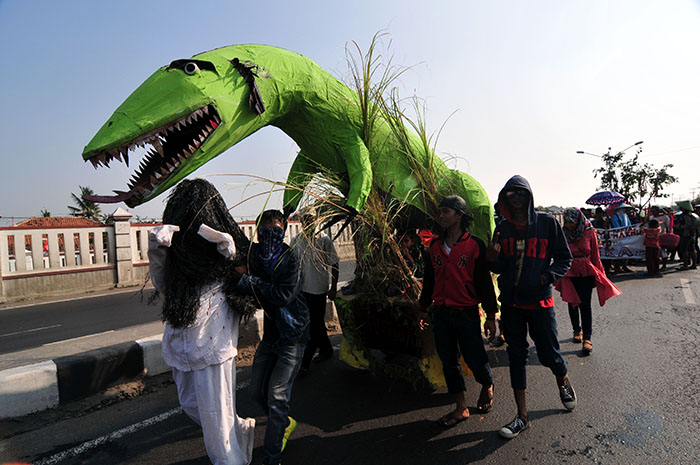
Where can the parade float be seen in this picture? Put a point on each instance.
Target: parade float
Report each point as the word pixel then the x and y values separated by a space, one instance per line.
pixel 361 162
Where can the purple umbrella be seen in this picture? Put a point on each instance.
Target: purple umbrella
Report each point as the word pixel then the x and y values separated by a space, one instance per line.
pixel 605 198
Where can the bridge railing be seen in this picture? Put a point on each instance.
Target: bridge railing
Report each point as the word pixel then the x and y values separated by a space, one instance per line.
pixel 37 261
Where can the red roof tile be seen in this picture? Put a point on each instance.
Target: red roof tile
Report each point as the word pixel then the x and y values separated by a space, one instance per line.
pixel 57 222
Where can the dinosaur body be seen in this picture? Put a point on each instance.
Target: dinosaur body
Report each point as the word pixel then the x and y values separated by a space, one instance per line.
pixel 194 109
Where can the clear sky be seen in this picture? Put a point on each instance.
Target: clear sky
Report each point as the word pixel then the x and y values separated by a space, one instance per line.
pixel 529 84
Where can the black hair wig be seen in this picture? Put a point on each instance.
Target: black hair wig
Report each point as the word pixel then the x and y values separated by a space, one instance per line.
pixel 193 262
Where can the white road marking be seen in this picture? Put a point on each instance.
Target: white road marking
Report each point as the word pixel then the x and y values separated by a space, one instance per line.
pixel 84 447
pixel 687 291
pixel 29 330
pixel 77 338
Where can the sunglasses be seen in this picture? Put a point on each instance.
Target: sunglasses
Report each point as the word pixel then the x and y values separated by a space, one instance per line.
pixel 518 193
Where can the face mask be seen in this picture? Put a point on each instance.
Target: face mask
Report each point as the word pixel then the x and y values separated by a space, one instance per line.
pixel 270 239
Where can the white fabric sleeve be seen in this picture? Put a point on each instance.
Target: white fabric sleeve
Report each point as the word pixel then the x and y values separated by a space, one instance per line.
pixel 224 241
pixel 159 239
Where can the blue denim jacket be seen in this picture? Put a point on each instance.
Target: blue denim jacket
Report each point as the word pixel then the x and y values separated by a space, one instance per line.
pixel 279 293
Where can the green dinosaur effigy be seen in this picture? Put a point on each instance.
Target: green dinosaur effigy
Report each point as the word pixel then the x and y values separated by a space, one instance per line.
pixel 192 110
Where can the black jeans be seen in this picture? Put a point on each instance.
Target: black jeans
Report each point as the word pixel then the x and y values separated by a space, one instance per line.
pixel 458 330
pixel 584 288
pixel 318 335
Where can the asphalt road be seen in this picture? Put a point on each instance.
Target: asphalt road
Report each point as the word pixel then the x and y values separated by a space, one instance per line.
pixel 26 327
pixel 34 325
pixel 638 404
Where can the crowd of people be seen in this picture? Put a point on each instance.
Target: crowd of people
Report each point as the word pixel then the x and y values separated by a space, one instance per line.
pixel 210 282
pixel 667 232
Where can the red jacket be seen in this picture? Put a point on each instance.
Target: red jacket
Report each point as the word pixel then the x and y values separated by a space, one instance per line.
pixel 460 279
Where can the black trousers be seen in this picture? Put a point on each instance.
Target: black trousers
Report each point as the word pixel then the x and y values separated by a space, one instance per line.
pixel 318 336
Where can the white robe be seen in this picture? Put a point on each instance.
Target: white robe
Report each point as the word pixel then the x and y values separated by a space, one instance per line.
pixel 204 370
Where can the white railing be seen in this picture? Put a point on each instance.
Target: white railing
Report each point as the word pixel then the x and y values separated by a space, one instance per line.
pixel 52 254
pixel 33 251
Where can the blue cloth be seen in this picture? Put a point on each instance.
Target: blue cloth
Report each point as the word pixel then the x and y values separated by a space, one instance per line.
pixel 274 369
pixel 542 326
pixel 458 330
pixel 546 252
pixel 620 219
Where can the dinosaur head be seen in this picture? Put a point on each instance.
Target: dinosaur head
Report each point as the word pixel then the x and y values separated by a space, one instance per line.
pixel 183 115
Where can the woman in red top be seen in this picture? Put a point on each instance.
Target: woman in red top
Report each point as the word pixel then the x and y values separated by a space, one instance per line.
pixel 586 272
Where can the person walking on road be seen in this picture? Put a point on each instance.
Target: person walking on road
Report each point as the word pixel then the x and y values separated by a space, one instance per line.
pixel 586 273
pixel 456 280
pixel 529 252
pixel 192 265
pixel 316 254
pixel 274 277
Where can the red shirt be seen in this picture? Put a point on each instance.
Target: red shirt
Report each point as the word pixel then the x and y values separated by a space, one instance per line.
pixel 460 279
pixel 651 237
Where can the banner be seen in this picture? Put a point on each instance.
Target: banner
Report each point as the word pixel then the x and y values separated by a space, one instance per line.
pixel 621 243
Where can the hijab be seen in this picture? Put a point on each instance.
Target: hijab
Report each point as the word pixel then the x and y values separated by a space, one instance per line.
pixel 575 216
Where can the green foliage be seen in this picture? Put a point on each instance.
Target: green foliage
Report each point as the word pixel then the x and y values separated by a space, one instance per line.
pixel 84 208
pixel 639 182
pixel 45 213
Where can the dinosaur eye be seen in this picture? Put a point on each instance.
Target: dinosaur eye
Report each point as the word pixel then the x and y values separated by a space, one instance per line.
pixel 190 68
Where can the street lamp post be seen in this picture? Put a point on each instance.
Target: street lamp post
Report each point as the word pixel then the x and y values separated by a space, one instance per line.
pixel 619 153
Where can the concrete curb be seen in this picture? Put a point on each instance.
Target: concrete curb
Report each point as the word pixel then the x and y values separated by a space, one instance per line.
pixel 31 388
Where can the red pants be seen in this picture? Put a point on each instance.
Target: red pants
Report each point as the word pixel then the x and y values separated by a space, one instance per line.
pixel 652 256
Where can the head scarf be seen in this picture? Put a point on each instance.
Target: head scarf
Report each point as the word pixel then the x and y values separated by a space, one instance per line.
pixel 575 216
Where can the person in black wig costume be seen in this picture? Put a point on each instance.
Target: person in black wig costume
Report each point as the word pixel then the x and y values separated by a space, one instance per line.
pixel 193 264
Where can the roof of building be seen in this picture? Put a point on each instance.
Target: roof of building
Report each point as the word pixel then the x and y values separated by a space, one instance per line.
pixel 57 222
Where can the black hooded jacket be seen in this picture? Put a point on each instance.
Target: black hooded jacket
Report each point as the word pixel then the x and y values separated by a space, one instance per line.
pixel 546 252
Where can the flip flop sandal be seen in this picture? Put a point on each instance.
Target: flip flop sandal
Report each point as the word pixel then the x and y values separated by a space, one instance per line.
pixel 449 421
pixel 587 347
pixel 578 337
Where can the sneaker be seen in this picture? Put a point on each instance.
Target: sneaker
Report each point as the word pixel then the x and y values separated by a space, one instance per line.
pixel 567 395
pixel 288 432
pixel 514 428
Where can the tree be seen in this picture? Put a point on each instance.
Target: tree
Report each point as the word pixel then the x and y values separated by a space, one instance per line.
pixel 639 182
pixel 84 208
pixel 45 213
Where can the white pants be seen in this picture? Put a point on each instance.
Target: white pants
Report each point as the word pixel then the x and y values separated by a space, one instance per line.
pixel 208 397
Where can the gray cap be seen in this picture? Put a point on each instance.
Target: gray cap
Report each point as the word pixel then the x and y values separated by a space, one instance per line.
pixel 454 202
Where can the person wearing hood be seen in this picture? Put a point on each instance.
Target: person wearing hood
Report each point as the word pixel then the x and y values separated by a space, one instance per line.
pixel 274 277
pixel 456 281
pixel 529 252
pixel 586 273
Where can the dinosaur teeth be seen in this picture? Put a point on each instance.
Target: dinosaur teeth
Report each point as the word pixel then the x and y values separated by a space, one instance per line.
pixel 192 149
pixel 209 129
pixel 206 109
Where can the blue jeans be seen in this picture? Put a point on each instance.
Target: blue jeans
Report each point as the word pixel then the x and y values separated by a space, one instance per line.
pixel 542 325
pixel 458 330
pixel 274 368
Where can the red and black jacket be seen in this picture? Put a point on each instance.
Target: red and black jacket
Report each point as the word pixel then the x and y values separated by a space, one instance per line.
pixel 460 279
